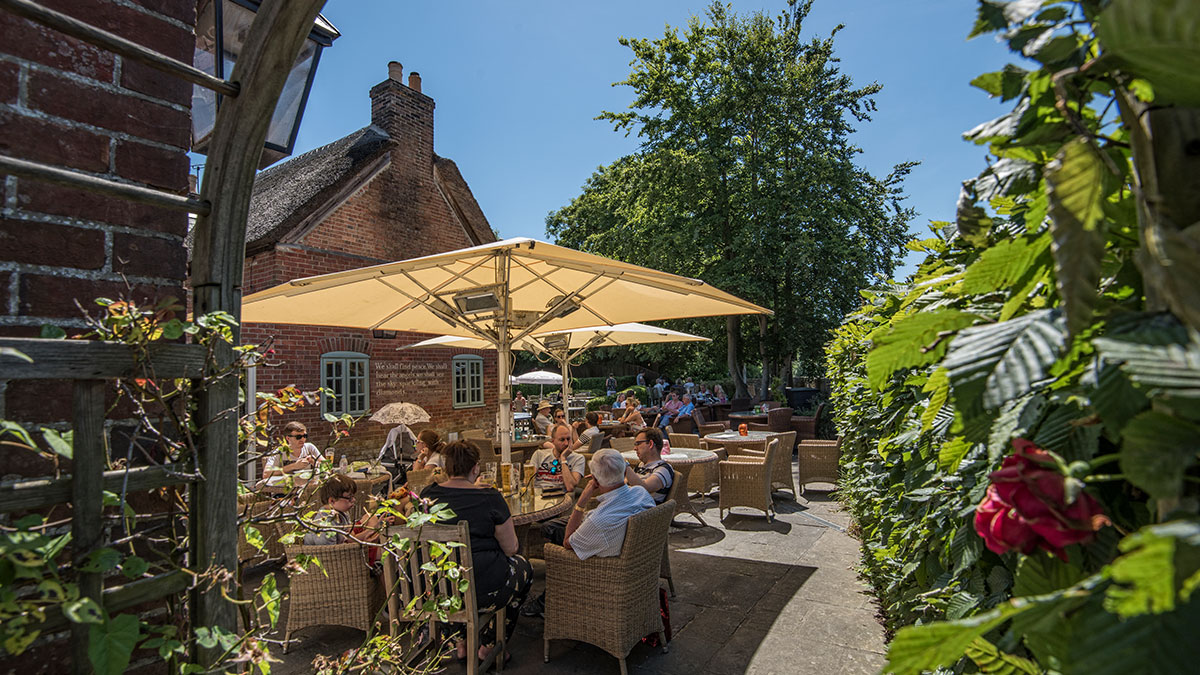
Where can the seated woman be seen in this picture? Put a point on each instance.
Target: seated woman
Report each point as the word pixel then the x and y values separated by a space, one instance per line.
pixel 619 404
pixel 299 454
pixel 560 417
pixel 501 576
pixel 429 450
pixel 718 394
pixel 633 415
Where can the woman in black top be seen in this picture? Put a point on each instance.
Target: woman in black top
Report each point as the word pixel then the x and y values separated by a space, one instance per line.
pixel 501 576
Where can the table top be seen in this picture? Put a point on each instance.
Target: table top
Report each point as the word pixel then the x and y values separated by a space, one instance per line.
pixel 529 506
pixel 679 456
pixel 735 437
pixel 748 416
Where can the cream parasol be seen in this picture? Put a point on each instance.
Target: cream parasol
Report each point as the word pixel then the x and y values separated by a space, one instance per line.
pixel 407 414
pixel 501 293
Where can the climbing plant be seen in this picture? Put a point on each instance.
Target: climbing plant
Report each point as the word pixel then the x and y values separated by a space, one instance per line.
pixel 1021 416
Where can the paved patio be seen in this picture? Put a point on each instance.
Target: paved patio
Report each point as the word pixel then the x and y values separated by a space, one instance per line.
pixel 752 597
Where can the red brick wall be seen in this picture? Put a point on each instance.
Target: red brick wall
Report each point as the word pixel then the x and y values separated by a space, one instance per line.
pixel 66 103
pixel 401 213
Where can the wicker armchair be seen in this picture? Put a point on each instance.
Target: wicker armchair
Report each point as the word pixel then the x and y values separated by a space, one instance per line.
pixel 419 479
pixel 780 421
pixel 684 424
pixel 406 581
pixel 625 586
pixel 711 428
pixel 345 594
pixel 781 470
pixel 366 488
pixel 684 440
pixel 806 427
pixel 818 462
pixel 746 480
pixel 624 444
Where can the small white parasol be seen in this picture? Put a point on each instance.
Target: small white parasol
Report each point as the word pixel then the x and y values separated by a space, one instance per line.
pixel 401 413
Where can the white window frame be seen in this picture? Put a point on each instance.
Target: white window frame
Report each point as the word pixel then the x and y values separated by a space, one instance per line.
pixel 336 374
pixel 466 386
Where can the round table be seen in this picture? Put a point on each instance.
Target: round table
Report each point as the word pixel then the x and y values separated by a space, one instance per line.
pixel 725 438
pixel 529 507
pixel 747 417
pixel 682 460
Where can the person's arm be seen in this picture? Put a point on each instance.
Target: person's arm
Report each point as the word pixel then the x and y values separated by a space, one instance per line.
pixel 651 483
pixel 576 518
pixel 571 477
pixel 506 535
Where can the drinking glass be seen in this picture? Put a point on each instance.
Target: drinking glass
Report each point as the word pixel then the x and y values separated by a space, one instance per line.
pixel 488 477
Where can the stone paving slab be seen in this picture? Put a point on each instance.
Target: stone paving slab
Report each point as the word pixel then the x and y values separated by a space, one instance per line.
pixel 751 597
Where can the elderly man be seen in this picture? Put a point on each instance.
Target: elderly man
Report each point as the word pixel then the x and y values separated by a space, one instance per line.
pixel 682 410
pixel 542 421
pixel 652 473
pixel 601 531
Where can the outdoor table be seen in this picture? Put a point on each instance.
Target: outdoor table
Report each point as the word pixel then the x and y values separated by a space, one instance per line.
pixel 747 417
pixel 682 460
pixel 724 438
pixel 529 507
pixel 528 444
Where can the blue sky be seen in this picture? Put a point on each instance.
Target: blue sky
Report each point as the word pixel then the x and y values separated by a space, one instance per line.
pixel 517 85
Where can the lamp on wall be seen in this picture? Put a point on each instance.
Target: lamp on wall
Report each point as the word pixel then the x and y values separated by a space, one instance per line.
pixel 221 28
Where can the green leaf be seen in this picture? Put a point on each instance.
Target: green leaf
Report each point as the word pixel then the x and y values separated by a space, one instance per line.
pixel 1158 449
pixel 1075 187
pixel 992 364
pixel 1042 573
pixel 255 538
pixel 19 640
pixel 62 444
pixel 1159 41
pixel 919 648
pixel 134 567
pixel 111 643
pixel 51 332
pixel 1161 565
pixel 1006 83
pixel 991 660
pixel 1003 265
pixel 271 598
pixel 83 610
pixel 16 354
pixel 1155 363
pixel 915 340
pixel 101 560
pixel 938 387
pixel 952 452
pixel 8 427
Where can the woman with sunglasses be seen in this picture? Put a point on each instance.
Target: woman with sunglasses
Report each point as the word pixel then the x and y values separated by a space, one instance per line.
pixel 300 454
pixel 429 450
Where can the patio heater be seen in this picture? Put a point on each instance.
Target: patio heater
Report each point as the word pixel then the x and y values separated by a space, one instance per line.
pixel 221 29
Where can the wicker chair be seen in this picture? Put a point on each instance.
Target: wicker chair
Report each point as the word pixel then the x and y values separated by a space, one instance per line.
pixel 250 506
pixel 684 440
pixel 622 444
pixel 408 581
pixel 419 479
pixel 806 427
pixel 780 421
pixel 366 488
pixel 474 433
pixel 746 481
pixel 818 462
pixel 711 428
pixel 781 470
pixel 345 594
pixel 625 586
pixel 684 424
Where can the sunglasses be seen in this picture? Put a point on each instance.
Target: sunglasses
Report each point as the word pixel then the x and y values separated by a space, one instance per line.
pixel 641 442
pixel 298 435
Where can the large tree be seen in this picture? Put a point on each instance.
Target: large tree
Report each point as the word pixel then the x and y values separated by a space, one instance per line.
pixel 746 178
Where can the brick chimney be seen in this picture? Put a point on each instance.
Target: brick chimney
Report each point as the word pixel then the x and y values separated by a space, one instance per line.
pixel 406 115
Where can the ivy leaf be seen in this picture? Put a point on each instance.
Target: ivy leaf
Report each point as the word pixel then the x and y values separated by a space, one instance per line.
pixel 995 363
pixel 1158 449
pixel 101 560
pixel 111 643
pixel 915 340
pixel 1159 41
pixel 1161 564
pixel 1075 187
pixel 134 567
pixel 83 610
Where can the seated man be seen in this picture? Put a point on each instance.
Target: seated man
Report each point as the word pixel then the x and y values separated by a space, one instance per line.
pixel 653 473
pixel 558 469
pixel 590 431
pixel 542 422
pixel 601 531
pixel 683 410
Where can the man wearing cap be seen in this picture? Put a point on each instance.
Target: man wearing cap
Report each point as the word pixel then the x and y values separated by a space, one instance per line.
pixel 542 421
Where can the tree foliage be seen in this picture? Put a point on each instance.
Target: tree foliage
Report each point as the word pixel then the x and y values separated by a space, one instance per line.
pixel 746 179
pixel 1072 264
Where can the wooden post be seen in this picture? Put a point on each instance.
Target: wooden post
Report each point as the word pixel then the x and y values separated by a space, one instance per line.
pixel 276 36
pixel 87 502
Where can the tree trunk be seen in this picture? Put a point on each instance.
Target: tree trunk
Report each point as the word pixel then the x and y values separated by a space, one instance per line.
pixel 764 386
pixel 787 370
pixel 733 335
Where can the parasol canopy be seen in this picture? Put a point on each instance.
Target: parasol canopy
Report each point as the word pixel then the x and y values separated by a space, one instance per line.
pixel 538 377
pixel 501 292
pixel 407 414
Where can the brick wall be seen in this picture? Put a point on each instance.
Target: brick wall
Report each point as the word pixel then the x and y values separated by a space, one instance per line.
pixel 401 213
pixel 66 103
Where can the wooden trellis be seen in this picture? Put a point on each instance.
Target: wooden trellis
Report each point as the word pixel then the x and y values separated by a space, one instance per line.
pixel 276 36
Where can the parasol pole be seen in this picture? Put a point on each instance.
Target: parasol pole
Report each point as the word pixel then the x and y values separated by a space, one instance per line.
pixel 564 364
pixel 503 352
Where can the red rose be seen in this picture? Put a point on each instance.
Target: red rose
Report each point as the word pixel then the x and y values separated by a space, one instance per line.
pixel 1026 507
